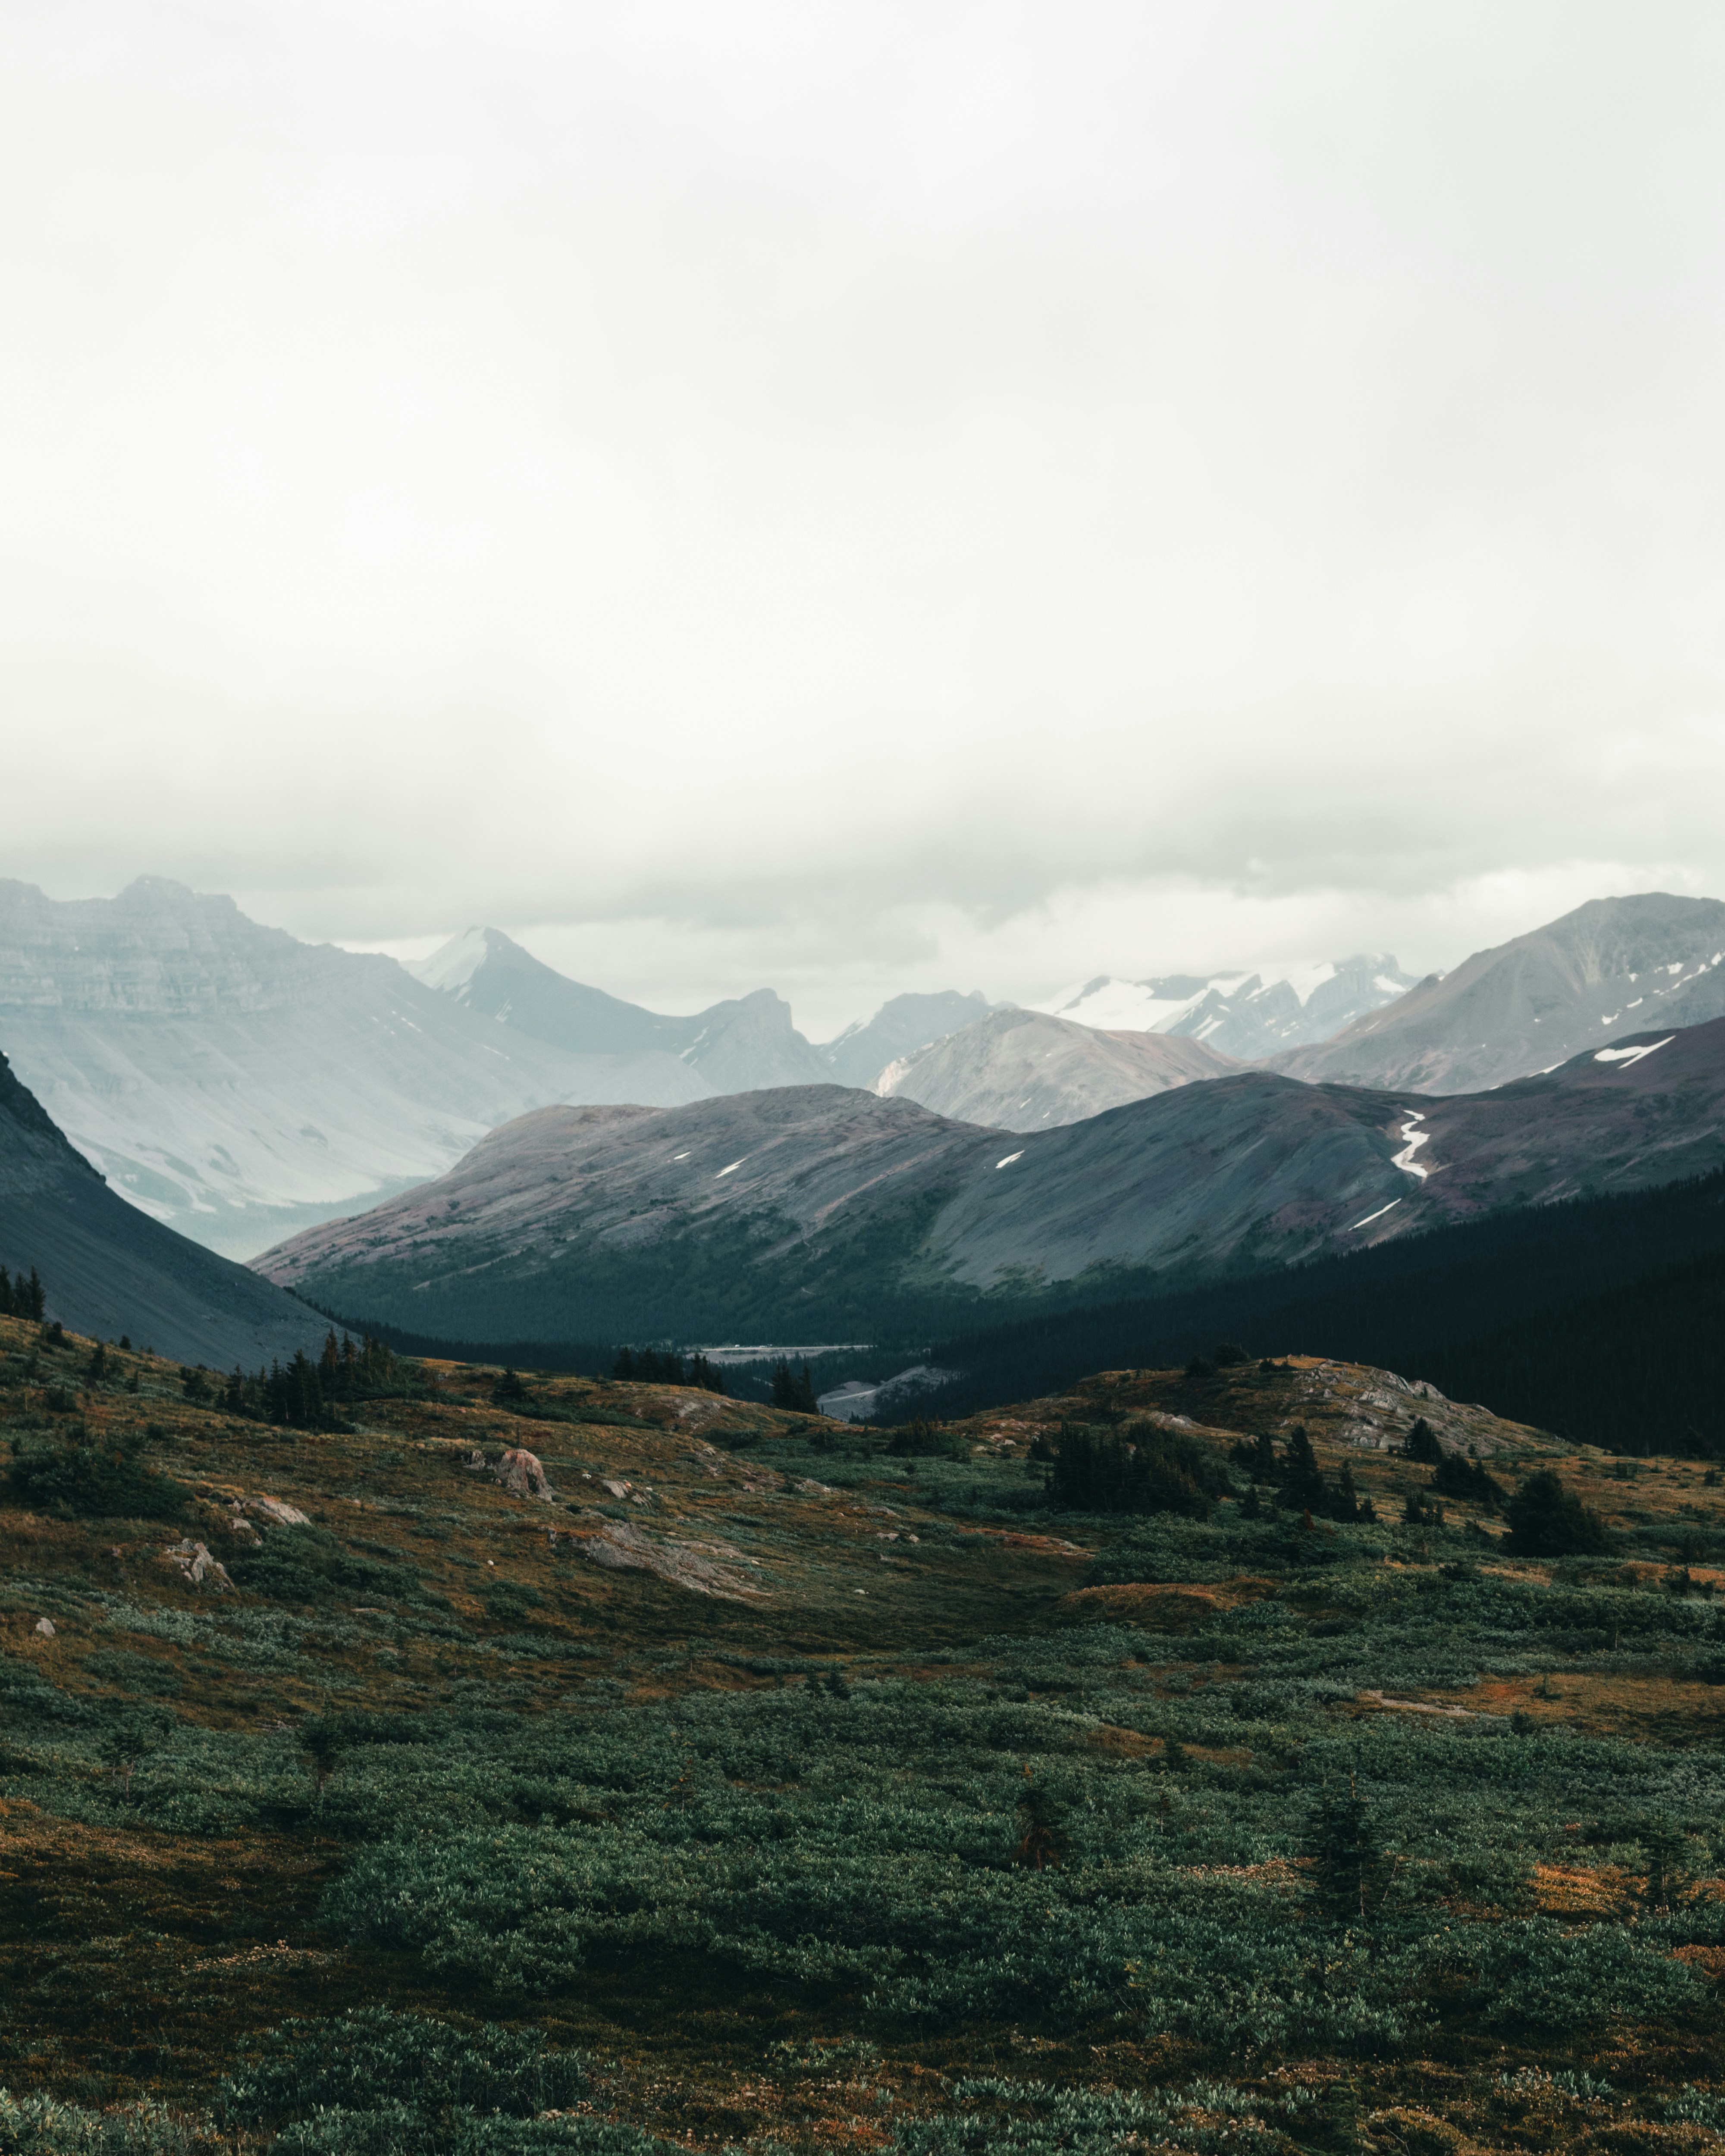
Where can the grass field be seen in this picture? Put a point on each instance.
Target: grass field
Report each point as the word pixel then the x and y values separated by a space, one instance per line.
pixel 822 1795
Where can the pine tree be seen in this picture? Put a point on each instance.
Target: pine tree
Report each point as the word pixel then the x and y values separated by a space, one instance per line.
pixel 35 1298
pixel 1303 1488
pixel 1350 1873
pixel 1421 1443
pixel 1670 1882
pixel 703 1374
pixel 1547 1520
pixel 5 1292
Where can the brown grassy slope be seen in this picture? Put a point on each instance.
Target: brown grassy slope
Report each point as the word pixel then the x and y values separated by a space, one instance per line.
pixel 131 1959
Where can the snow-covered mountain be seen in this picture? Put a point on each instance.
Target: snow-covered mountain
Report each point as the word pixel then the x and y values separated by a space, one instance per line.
pixel 735 1047
pixel 1246 1015
pixel 1023 1070
pixel 239 1085
pixel 1529 1004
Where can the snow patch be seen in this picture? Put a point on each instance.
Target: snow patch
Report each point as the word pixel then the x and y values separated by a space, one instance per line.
pixel 1008 1160
pixel 1627 1055
pixel 1412 1140
pixel 1379 1213
pixel 732 1170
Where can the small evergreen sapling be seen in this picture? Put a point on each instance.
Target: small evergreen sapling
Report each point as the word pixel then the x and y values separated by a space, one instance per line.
pixel 1351 1873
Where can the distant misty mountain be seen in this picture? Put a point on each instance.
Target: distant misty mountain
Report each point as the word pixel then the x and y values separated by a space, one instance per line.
pixel 110 1270
pixel 1530 1004
pixel 238 1084
pixel 1023 1070
pixel 828 1207
pixel 1246 1015
pixel 734 1047
pixel 899 1029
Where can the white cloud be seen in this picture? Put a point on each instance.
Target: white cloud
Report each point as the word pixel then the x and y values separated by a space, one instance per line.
pixel 863 497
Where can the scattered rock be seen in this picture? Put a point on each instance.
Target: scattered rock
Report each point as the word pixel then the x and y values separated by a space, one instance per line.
pixel 617 1489
pixel 275 1508
pixel 521 1473
pixel 197 1565
pixel 620 1546
pixel 44 1625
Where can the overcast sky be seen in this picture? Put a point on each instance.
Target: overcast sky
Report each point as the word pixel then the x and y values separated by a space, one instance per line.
pixel 865 496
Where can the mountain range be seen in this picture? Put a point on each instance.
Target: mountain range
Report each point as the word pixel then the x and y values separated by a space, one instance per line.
pixel 110 1270
pixel 1526 1005
pixel 241 1086
pixel 766 1214
pixel 1246 1016
pixel 238 1084
pixel 732 1047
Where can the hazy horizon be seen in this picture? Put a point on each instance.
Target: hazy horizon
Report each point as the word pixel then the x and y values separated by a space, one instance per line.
pixel 864 500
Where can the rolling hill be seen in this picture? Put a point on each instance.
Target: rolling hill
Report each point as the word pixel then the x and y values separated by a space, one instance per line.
pixel 639 1722
pixel 820 1212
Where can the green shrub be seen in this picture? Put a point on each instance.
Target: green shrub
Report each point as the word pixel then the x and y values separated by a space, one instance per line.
pixel 42 2126
pixel 310 1564
pixel 365 2061
pixel 1534 1975
pixel 399 2130
pixel 82 1479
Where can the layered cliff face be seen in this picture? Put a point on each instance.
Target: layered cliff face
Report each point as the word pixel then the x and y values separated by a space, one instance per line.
pixel 238 1084
pixel 111 1270
pixel 738 1217
pixel 1527 1005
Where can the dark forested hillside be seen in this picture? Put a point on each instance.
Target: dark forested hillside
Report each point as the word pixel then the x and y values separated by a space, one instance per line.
pixel 1603 1320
